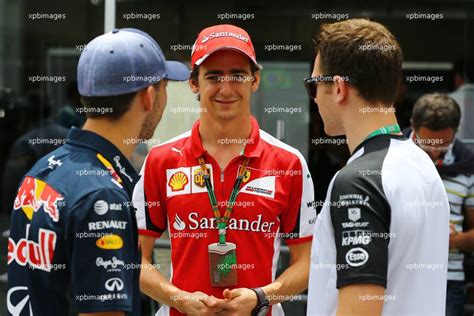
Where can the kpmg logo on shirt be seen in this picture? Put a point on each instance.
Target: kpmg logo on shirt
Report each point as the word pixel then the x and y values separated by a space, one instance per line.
pixel 356 237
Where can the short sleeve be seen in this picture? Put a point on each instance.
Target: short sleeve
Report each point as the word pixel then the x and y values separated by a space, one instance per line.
pixel 297 221
pixel 150 211
pixel 360 216
pixel 469 201
pixel 102 252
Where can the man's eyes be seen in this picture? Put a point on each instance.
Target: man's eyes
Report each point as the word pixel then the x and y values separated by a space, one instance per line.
pixel 213 78
pixel 226 78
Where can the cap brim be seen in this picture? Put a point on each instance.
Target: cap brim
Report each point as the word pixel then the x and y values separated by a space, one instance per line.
pixel 177 71
pixel 203 58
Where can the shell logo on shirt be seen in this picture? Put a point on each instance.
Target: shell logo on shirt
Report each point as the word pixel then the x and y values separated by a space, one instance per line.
pixel 177 181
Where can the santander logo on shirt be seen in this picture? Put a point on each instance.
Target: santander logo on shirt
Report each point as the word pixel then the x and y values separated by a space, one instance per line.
pixel 194 221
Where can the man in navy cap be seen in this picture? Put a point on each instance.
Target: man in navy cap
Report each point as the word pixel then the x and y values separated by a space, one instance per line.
pixel 73 243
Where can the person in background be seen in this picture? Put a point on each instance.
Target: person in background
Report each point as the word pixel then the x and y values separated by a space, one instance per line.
pixel 434 123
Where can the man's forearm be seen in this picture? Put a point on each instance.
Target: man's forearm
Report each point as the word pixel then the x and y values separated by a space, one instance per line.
pixel 464 241
pixel 292 281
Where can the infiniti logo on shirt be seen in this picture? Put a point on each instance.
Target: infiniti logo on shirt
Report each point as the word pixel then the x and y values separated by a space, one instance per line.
pixel 114 284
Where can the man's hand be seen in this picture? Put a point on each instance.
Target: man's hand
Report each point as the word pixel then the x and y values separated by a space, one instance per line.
pixel 453 234
pixel 238 302
pixel 198 303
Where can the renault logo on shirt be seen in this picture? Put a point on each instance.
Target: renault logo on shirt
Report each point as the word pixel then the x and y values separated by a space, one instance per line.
pixel 99 225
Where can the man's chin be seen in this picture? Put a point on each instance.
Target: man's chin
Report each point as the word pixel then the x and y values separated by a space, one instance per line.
pixel 146 135
pixel 332 133
pixel 227 115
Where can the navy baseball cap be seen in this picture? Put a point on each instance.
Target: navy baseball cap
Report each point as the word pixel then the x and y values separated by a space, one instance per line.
pixel 124 61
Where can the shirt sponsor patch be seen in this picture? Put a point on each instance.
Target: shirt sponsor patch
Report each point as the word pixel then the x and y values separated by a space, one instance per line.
pixel 110 242
pixel 356 237
pixel 111 265
pixel 353 213
pixel 34 194
pixel 177 181
pixel 357 257
pixel 186 180
pixel 100 225
pixel 261 186
pixel 101 207
pixel 38 255
pixel 354 199
pixel 198 185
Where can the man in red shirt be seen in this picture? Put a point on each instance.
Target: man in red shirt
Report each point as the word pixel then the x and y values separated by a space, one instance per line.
pixel 227 192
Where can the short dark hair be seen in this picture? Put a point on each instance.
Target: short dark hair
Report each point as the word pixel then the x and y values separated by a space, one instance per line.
pixel 364 51
pixel 110 107
pixel 436 111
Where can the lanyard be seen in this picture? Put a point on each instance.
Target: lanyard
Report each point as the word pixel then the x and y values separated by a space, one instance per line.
pixel 388 129
pixel 222 222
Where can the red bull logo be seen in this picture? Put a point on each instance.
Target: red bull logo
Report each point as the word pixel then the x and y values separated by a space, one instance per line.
pixel 38 255
pixel 34 193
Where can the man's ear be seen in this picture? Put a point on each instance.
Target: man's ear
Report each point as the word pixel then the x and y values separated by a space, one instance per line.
pixel 147 97
pixel 256 81
pixel 193 84
pixel 342 89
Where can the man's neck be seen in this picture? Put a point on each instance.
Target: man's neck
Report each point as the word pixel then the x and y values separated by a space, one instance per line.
pixel 358 126
pixel 224 139
pixel 111 131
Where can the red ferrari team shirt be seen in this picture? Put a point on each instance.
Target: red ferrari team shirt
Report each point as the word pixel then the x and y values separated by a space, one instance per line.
pixel 275 202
